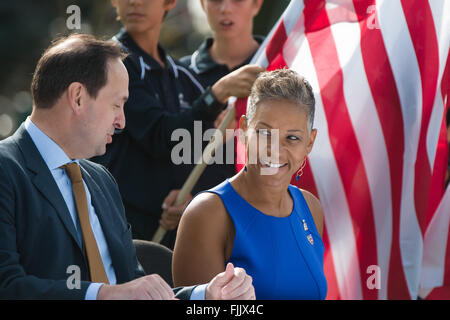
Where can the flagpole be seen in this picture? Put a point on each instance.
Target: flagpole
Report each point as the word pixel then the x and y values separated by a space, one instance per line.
pixel 215 142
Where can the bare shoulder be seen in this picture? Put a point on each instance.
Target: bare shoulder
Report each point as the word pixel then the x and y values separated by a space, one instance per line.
pixel 204 220
pixel 316 209
pixel 206 206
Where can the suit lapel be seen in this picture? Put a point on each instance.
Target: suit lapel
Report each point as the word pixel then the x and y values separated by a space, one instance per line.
pixel 111 231
pixel 43 180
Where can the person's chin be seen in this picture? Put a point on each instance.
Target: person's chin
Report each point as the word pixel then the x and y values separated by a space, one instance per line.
pixel 133 27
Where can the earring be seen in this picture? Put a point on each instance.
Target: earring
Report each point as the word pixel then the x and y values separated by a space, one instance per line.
pixel 245 168
pixel 300 171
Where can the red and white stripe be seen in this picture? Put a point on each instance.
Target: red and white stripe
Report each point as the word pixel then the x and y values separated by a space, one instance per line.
pixel 379 72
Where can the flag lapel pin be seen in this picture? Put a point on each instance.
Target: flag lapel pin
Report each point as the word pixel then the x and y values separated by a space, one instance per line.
pixel 305 226
pixel 310 238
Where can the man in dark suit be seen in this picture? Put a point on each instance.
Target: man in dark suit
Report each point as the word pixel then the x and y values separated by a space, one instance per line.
pixel 63 231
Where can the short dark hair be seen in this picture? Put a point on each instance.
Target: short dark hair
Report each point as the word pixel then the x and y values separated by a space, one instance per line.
pixel 282 84
pixel 75 58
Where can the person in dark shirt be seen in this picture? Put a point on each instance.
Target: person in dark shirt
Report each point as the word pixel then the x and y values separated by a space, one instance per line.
pixel 232 44
pixel 163 96
pixel 231 47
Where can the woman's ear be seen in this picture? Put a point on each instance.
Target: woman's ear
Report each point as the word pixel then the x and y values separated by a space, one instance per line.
pixel 243 125
pixel 312 138
pixel 243 122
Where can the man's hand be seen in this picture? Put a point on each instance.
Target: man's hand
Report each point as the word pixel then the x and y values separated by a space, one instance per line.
pixel 172 213
pixel 233 284
pixel 237 83
pixel 151 287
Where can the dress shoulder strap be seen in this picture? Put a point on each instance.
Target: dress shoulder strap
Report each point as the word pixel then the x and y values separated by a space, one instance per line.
pixel 240 211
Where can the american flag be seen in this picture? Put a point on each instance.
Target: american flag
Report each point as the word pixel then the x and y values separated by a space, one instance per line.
pixel 380 71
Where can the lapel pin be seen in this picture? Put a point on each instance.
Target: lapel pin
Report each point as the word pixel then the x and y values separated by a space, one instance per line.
pixel 305 226
pixel 310 238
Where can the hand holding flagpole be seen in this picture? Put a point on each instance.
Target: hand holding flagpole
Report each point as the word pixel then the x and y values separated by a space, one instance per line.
pixel 208 153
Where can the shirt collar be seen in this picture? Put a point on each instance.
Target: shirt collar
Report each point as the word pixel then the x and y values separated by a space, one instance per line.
pixel 52 154
pixel 139 56
pixel 201 60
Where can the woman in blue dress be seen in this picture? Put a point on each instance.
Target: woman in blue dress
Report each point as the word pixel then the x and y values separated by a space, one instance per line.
pixel 256 219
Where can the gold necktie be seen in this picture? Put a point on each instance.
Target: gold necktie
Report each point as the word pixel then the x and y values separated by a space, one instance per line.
pixel 96 268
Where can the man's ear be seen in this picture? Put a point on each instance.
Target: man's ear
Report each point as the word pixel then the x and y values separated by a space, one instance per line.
pixel 76 94
pixel 202 3
pixel 258 5
pixel 116 6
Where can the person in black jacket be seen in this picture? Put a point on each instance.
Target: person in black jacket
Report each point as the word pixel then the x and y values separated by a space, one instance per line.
pixel 164 96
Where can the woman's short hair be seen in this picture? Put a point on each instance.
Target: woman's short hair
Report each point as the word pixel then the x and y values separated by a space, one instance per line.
pixel 282 84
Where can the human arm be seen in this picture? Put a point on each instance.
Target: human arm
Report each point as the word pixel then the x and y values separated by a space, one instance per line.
pixel 316 210
pixel 203 245
pixel 150 287
pixel 232 284
pixel 237 83
pixel 199 252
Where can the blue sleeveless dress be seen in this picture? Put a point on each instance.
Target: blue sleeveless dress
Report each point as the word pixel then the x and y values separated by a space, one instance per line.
pixel 284 256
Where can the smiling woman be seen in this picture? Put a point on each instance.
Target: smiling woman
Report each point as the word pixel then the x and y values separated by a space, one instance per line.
pixel 256 219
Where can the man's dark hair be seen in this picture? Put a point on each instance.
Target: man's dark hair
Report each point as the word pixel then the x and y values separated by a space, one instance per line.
pixel 76 58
